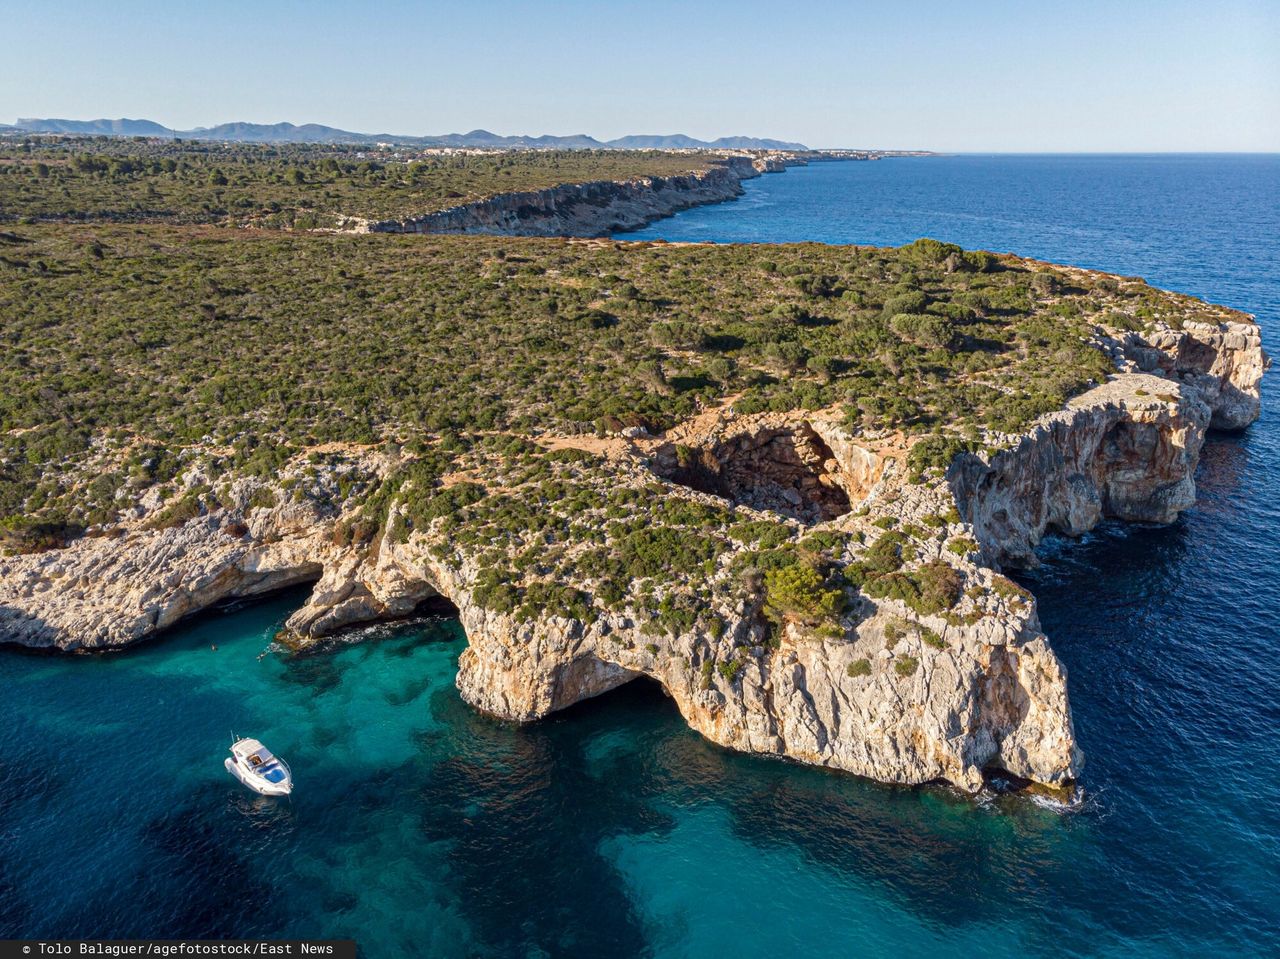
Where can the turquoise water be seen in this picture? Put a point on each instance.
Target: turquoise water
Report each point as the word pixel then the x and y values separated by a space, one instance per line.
pixel 422 828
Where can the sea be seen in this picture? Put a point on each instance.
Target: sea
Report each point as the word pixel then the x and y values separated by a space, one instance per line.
pixel 421 828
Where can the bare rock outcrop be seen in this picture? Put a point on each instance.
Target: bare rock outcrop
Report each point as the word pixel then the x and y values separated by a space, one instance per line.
pixel 104 592
pixel 786 467
pixel 995 696
pixel 1125 450
pixel 1224 362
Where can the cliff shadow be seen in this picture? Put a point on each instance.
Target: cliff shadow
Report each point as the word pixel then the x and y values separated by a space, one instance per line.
pixel 789 470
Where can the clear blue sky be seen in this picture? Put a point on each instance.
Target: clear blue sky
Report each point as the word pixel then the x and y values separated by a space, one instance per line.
pixel 1123 75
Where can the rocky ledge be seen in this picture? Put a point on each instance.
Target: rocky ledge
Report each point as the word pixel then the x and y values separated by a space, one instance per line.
pixel 596 208
pixel 930 666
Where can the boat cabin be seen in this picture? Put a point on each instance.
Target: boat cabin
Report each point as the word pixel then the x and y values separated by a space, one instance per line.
pixel 258 758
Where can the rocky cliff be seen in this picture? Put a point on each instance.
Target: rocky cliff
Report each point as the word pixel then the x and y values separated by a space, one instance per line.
pixel 597 208
pixel 1127 450
pixel 1223 362
pixel 931 667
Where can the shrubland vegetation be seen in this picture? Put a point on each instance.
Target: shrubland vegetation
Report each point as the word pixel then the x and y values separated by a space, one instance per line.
pixel 559 533
pixel 152 339
pixel 131 351
pixel 281 185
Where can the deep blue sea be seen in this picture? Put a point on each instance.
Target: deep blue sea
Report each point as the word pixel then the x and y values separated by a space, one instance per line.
pixel 420 828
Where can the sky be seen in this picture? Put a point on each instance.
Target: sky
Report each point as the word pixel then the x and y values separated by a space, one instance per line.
pixel 1128 75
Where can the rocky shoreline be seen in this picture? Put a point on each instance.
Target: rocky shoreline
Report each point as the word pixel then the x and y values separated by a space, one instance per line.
pixel 593 209
pixel 897 695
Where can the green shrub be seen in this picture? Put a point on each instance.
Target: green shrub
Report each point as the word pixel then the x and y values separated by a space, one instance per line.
pixel 936 452
pixel 904 303
pixel 828 542
pixel 543 598
pixel 981 261
pixel 263 498
pixel 493 590
pixel 22 534
pixel 924 329
pixel 666 551
pixel 1007 588
pixel 940 587
pixel 886 554
pixel 894 630
pixel 762 533
pixel 930 638
pixel 1045 284
pixel 930 252
pixel 930 589
pixel 799 592
pixel 730 669
pixel 181 510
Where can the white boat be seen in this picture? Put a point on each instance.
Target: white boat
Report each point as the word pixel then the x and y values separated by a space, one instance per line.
pixel 253 764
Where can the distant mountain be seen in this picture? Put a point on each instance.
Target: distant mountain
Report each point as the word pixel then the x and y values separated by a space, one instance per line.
pixel 678 141
pixel 274 133
pixel 241 132
pixel 483 138
pixel 753 143
pixel 112 128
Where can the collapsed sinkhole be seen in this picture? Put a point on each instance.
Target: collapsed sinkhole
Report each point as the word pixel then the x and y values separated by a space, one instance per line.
pixel 787 470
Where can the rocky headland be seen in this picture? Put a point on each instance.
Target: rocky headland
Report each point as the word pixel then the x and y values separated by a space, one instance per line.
pixel 594 208
pixel 914 660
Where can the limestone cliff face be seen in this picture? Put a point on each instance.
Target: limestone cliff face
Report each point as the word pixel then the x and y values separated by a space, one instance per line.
pixel 1126 450
pixel 993 695
pixel 1223 362
pixel 892 695
pixel 105 592
pixel 776 162
pixel 597 208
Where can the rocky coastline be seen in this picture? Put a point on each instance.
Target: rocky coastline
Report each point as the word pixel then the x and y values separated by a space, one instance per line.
pixel 897 695
pixel 592 209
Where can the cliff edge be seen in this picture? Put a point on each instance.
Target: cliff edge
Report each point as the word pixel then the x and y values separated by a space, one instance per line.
pixel 592 209
pixel 848 609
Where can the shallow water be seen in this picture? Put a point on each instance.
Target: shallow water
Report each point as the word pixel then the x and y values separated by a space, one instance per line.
pixel 422 828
